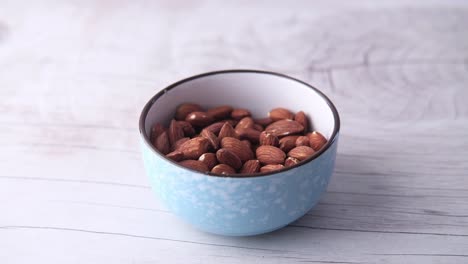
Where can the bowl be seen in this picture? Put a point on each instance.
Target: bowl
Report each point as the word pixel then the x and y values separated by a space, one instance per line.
pixel 250 204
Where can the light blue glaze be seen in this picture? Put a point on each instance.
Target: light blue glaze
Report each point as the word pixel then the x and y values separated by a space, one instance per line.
pixel 239 206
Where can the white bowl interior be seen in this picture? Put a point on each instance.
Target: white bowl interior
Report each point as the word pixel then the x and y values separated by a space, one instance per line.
pixel 256 91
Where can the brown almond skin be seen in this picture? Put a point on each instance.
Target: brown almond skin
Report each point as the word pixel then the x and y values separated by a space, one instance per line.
pixel 284 128
pixel 194 165
pixel 271 167
pixel 287 143
pixel 215 127
pixel 264 121
pixel 280 113
pixel 249 133
pixel 301 153
pixel 231 121
pixel 302 141
pixel 212 138
pixel 179 142
pixel 199 119
pixel 175 132
pixel 251 166
pixel 246 122
pixel 209 159
pixel 223 169
pixel 156 130
pixel 195 147
pixel 186 108
pixel 268 139
pixel 316 140
pixel 270 155
pixel 238 147
pixel 220 112
pixel 188 129
pixel 228 157
pixel 247 143
pixel 240 113
pixel 175 155
pixel 227 131
pixel 162 143
pixel 302 119
pixel 290 161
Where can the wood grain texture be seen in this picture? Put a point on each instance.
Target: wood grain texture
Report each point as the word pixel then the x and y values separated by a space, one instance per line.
pixel 75 74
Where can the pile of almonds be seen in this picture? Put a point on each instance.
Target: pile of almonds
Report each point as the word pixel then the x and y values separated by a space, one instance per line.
pixel 224 140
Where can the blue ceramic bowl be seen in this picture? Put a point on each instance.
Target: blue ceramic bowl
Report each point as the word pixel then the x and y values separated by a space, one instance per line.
pixel 247 205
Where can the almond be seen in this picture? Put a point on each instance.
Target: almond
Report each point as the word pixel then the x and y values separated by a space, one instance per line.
pixel 302 141
pixel 220 112
pixel 246 122
pixel 188 129
pixel 316 140
pixel 270 155
pixel 228 157
pixel 280 113
pixel 249 133
pixel 271 167
pixel 199 119
pixel 264 121
pixel 302 119
pixel 195 147
pixel 301 153
pixel 179 142
pixel 284 128
pixel 174 132
pixel 290 161
pixel 251 166
pixel 231 121
pixel 247 143
pixel 287 143
pixel 224 140
pixel 227 131
pixel 209 159
pixel 240 113
pixel 268 139
pixel 215 127
pixel 194 165
pixel 184 109
pixel 239 148
pixel 176 155
pixel 223 169
pixel 212 138
pixel 156 130
pixel 162 143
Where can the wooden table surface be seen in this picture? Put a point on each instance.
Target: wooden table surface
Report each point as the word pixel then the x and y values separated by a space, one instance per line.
pixel 75 75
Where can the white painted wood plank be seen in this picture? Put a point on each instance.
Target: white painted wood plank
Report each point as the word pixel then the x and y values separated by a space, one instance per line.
pixel 121 248
pixel 338 211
